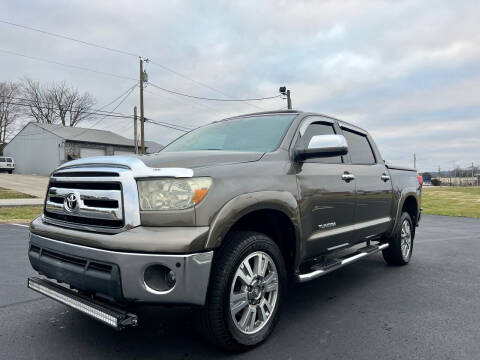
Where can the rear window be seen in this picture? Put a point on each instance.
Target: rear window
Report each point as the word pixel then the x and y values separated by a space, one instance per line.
pixel 9 160
pixel 359 147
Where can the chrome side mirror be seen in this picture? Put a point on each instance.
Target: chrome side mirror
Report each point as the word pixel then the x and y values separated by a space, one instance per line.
pixel 323 146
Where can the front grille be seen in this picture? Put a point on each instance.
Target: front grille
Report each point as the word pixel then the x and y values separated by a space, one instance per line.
pixel 85 221
pixel 87 200
pixel 86 185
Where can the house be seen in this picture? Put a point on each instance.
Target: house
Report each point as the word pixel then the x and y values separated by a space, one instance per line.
pixel 40 148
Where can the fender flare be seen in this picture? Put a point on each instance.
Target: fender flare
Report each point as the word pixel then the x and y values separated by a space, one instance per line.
pixel 401 201
pixel 244 204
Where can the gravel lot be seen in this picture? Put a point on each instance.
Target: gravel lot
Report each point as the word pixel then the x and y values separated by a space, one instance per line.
pixel 429 309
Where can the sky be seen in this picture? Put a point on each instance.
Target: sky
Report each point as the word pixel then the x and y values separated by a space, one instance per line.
pixel 407 71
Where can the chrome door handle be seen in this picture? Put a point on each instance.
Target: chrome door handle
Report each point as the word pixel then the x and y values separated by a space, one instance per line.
pixel 348 177
pixel 385 177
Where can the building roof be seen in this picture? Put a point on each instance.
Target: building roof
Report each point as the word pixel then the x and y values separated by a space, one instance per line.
pixel 95 136
pixel 86 135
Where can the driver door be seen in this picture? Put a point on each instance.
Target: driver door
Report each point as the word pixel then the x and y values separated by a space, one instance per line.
pixel 327 202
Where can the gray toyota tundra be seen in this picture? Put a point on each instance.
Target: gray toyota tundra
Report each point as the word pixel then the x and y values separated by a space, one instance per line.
pixel 220 220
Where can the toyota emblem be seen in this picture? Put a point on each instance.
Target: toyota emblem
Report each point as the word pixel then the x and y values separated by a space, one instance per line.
pixel 71 202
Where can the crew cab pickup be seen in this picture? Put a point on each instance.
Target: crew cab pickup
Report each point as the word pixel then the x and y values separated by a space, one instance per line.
pixel 219 220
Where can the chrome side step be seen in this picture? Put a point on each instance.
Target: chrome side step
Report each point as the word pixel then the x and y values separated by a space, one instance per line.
pixel 325 268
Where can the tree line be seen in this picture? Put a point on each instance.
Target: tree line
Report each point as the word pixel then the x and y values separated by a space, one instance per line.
pixel 54 103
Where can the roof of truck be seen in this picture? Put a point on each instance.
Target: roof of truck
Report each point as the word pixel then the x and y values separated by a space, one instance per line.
pixel 305 113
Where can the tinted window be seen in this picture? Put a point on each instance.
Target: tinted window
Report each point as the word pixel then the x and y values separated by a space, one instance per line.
pixel 359 148
pixel 9 160
pixel 2 159
pixel 319 128
pixel 255 133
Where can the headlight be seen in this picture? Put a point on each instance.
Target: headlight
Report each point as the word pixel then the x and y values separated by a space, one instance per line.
pixel 172 194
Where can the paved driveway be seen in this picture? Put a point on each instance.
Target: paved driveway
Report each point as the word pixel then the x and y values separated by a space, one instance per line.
pixel 28 184
pixel 429 309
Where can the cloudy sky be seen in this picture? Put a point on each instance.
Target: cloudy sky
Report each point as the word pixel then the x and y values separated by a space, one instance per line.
pixel 407 71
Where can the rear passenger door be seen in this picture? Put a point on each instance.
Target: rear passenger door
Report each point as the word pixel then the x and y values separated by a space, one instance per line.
pixel 374 188
pixel 327 201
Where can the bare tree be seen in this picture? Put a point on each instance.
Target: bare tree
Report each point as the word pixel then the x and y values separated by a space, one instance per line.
pixel 57 104
pixel 10 110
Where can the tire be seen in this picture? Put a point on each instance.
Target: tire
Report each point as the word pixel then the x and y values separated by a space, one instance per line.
pixel 401 243
pixel 216 321
pixel 10 171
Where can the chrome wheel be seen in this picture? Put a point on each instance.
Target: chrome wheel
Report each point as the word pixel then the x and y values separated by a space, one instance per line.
pixel 254 292
pixel 406 240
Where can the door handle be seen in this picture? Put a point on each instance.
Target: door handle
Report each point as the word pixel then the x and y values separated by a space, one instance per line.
pixel 385 177
pixel 348 177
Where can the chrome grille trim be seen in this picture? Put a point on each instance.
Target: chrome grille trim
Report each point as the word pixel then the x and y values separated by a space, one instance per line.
pixel 125 171
pixel 106 213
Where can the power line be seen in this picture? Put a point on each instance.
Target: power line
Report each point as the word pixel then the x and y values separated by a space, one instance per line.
pixel 115 108
pixel 29 102
pixel 212 99
pixel 118 97
pixel 201 105
pixel 66 65
pixel 70 38
pixel 174 127
pixel 194 81
pixel 104 113
pixel 123 52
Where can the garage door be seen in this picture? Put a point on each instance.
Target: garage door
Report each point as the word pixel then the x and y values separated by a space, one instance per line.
pixel 123 152
pixel 87 152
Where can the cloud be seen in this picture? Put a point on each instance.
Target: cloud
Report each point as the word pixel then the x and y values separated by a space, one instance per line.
pixel 406 70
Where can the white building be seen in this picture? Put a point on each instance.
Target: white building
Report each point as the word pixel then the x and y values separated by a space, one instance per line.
pixel 40 148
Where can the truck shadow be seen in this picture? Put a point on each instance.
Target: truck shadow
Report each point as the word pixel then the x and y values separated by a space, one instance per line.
pixel 169 332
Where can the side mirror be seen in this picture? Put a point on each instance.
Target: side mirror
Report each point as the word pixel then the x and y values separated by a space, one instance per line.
pixel 323 146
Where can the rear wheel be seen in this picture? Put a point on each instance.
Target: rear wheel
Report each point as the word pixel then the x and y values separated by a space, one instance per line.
pixel 10 171
pixel 246 289
pixel 401 243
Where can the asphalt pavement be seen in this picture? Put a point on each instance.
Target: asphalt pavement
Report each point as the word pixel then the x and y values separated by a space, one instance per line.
pixel 429 309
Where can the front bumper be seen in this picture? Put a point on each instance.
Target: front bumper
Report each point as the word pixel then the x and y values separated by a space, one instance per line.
pixel 120 275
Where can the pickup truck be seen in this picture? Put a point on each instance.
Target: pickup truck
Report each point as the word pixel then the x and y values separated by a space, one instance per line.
pixel 220 220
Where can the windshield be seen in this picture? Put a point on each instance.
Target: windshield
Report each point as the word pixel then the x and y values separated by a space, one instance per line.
pixel 255 134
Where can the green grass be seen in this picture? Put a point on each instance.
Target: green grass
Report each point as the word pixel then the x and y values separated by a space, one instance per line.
pixel 451 201
pixel 16 214
pixel 12 194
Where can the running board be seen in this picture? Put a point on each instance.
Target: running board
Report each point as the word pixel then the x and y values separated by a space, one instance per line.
pixel 109 315
pixel 325 268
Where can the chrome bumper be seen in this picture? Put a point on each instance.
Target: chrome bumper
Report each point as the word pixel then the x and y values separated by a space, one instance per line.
pixel 192 271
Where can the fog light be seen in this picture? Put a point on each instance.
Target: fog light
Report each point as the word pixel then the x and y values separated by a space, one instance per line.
pixel 159 278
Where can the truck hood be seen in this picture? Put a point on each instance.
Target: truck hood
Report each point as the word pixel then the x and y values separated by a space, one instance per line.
pixel 185 160
pixel 196 159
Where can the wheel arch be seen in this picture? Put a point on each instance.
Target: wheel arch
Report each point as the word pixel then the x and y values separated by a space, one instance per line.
pixel 274 213
pixel 409 202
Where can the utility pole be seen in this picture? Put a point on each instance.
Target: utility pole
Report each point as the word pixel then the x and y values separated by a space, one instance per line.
pixel 414 161
pixel 283 90
pixel 142 118
pixel 135 136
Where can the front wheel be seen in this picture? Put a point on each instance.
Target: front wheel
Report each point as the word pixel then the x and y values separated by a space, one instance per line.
pixel 401 243
pixel 247 285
